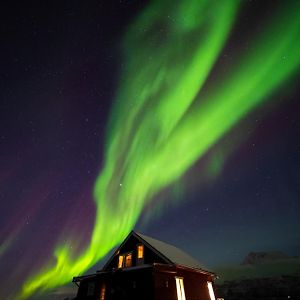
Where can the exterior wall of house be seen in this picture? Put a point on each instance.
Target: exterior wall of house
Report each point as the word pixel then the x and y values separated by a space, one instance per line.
pixel 151 283
pixel 89 289
pixel 135 284
pixel 118 285
pixel 195 283
pixel 164 286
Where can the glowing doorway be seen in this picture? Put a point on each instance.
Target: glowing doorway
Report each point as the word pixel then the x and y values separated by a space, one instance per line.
pixel 180 288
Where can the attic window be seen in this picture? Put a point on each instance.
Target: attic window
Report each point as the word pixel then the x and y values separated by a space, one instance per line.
pixel 140 251
pixel 211 291
pixel 120 262
pixel 128 260
pixel 180 288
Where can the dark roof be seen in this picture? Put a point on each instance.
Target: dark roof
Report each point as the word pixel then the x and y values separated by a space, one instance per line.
pixel 171 253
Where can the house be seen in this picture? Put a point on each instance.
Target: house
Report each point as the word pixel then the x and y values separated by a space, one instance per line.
pixel 148 269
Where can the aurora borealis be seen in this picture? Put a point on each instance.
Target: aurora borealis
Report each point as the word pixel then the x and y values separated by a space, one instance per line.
pixel 174 101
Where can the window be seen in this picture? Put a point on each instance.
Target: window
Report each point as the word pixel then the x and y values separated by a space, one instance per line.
pixel 140 251
pixel 125 260
pixel 121 260
pixel 211 291
pixel 128 260
pixel 180 288
pixel 102 292
pixel 139 254
pixel 91 288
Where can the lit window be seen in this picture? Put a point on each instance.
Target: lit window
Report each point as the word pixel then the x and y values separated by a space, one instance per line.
pixel 140 251
pixel 128 260
pixel 102 292
pixel 211 291
pixel 120 263
pixel 180 288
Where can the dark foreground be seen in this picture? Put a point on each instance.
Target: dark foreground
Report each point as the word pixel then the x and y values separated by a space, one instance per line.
pixel 279 288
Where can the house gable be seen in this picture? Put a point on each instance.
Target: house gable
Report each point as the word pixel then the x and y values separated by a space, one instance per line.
pixel 133 252
pixel 138 249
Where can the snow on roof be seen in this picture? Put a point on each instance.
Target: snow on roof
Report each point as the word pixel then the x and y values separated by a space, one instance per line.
pixel 173 254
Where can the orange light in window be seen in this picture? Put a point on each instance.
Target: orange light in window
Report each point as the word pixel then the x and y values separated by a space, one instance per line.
pixel 140 251
pixel 128 260
pixel 120 263
pixel 102 293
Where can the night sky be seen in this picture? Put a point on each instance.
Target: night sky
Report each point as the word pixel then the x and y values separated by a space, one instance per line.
pixel 62 69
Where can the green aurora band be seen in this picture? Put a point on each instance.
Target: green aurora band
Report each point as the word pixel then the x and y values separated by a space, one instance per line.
pixel 163 120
